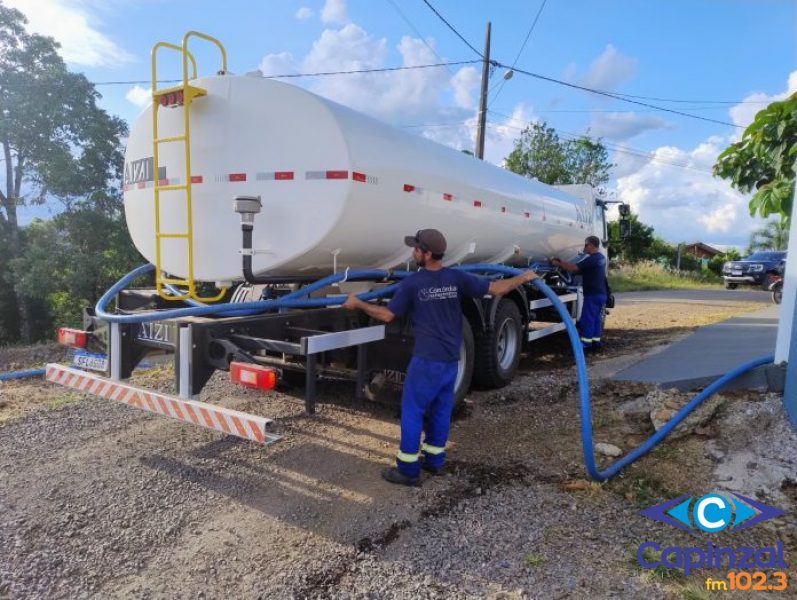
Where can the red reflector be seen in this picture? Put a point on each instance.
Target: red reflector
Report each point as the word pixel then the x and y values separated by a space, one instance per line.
pixel 283 175
pixel 237 177
pixel 252 375
pixel 477 203
pixel 163 182
pixel 74 338
pixel 448 197
pixel 141 185
pixel 358 176
pixel 337 174
pixel 528 215
pixel 196 178
pixel 409 188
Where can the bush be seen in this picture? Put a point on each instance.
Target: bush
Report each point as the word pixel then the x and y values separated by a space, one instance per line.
pixel 650 275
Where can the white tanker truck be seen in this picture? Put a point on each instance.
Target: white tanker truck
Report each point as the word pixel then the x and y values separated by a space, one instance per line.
pixel 257 187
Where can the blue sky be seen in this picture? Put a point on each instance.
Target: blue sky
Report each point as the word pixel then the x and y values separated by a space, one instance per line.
pixel 721 60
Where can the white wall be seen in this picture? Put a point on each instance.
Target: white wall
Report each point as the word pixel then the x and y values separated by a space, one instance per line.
pixel 787 308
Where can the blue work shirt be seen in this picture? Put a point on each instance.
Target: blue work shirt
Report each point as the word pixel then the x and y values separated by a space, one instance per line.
pixel 593 274
pixel 433 301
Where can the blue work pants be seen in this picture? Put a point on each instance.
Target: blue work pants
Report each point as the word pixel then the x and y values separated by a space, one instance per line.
pixel 589 325
pixel 428 392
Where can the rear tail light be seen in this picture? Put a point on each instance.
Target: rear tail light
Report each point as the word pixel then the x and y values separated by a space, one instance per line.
pixel 74 338
pixel 254 376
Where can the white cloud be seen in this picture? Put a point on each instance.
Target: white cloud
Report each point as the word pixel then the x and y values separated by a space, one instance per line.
pixel 744 113
pixel 278 64
pixel 334 11
pixel 304 13
pixel 139 96
pixel 684 203
pixel 609 70
pixel 75 25
pixel 464 83
pixel 623 126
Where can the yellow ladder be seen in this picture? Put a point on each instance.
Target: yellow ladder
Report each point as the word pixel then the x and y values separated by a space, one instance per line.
pixel 179 95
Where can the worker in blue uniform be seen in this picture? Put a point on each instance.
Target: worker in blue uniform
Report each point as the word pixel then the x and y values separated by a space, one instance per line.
pixel 432 298
pixel 592 267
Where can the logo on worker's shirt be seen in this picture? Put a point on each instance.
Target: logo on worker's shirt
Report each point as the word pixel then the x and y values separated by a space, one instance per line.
pixel 445 292
pixel 713 513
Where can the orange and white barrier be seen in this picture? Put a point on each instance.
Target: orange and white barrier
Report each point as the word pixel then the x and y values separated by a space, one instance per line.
pixel 217 418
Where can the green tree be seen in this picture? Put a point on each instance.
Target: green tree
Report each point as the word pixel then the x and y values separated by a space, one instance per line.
pixel 640 244
pixel 772 236
pixel 56 141
pixel 541 154
pixel 69 261
pixel 763 160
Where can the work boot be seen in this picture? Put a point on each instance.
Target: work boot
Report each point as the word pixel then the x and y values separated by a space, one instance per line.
pixel 393 475
pixel 431 470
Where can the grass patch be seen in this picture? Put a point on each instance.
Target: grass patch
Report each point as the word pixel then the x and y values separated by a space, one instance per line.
pixel 63 399
pixel 664 451
pixel 533 560
pixel 643 490
pixel 694 591
pixel 649 275
pixel 658 573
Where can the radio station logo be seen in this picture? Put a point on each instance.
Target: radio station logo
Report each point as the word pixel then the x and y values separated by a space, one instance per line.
pixel 712 513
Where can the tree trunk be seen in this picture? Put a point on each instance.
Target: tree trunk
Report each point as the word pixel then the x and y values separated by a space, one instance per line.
pixel 13 185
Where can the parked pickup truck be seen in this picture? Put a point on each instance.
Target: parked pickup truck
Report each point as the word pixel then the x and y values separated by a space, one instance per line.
pixel 756 269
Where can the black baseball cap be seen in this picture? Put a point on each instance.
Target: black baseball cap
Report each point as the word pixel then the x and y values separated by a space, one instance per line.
pixel 428 240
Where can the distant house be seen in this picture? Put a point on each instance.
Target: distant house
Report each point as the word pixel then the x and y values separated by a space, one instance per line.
pixel 701 250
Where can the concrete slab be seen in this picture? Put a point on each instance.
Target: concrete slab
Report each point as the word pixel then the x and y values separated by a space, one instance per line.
pixel 712 351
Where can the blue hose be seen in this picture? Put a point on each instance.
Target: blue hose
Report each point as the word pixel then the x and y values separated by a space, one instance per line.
pixel 298 299
pixel 21 374
pixel 583 385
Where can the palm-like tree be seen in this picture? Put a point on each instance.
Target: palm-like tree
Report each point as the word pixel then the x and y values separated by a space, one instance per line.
pixel 773 236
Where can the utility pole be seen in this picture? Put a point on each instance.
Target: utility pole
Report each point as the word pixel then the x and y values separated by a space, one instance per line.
pixel 483 100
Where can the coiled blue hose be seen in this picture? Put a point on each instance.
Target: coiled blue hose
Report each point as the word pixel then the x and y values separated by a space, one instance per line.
pixel 298 299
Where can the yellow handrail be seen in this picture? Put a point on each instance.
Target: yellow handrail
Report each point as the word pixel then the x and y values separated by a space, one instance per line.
pixel 188 93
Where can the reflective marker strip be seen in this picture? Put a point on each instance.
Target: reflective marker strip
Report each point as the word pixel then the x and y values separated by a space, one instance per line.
pixel 326 175
pixel 217 418
pixel 196 179
pixel 477 203
pixel 448 197
pixel 274 176
pixel 237 177
pixel 527 215
pixel 358 176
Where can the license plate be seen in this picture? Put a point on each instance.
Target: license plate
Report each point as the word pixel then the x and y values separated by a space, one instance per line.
pixel 88 360
pixel 736 272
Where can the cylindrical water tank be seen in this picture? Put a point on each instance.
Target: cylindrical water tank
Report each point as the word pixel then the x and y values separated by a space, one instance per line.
pixel 338 189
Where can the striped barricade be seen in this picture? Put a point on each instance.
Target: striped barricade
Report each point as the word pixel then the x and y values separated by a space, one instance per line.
pixel 217 418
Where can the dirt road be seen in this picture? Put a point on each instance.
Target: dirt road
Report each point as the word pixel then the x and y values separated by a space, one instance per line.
pixel 101 500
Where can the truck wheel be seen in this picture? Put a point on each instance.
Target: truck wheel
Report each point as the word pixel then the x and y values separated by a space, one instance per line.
pixel 465 367
pixel 498 348
pixel 731 286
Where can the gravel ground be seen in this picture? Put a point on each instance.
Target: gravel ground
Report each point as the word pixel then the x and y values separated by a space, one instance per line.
pixel 101 500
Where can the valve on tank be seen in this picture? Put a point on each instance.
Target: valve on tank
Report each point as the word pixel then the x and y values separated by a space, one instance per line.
pixel 247 207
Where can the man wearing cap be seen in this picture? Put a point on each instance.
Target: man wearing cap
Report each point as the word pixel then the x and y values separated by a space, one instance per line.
pixel 432 297
pixel 592 268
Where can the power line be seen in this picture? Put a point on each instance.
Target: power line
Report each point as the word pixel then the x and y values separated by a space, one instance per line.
pixel 451 27
pixel 277 76
pixel 619 97
pixel 522 47
pixel 418 33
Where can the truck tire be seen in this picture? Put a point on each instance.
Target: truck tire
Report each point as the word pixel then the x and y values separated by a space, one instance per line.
pixel 498 348
pixel 731 286
pixel 465 369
